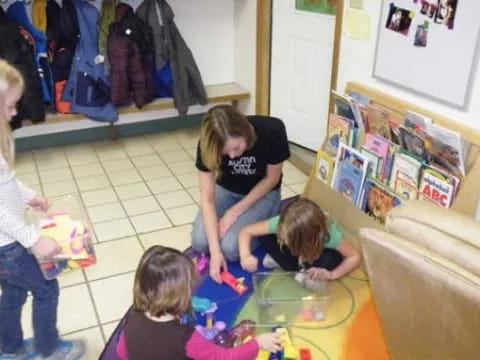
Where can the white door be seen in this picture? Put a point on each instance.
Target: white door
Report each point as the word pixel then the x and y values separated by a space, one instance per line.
pixel 302 48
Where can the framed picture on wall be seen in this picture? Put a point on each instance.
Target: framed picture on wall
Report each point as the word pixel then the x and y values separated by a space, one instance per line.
pixel 429 47
pixel 319 6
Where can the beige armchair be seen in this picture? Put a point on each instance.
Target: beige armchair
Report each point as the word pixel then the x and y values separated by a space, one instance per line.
pixel 425 279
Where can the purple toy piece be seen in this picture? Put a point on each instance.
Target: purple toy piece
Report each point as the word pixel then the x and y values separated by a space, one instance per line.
pixel 211 333
pixel 202 263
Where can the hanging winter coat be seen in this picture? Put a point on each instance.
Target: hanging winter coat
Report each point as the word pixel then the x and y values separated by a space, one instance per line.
pixel 17 51
pixel 17 12
pixel 39 15
pixel 130 53
pixel 87 88
pixel 107 17
pixel 170 48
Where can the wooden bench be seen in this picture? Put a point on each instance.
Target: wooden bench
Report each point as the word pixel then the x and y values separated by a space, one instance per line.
pixel 229 92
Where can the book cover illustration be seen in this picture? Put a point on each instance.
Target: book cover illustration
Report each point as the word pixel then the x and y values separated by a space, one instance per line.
pixel 374 161
pixel 346 107
pixel 445 149
pixel 416 121
pixel 405 186
pixel 377 200
pixel 413 142
pixel 378 121
pixel 436 186
pixel 324 167
pixel 407 165
pixel 395 132
pixel 349 174
pixel 338 132
pixel 380 146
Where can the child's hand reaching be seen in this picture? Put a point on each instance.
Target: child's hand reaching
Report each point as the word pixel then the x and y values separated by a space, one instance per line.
pixel 45 247
pixel 319 274
pixel 249 263
pixel 269 342
pixel 40 202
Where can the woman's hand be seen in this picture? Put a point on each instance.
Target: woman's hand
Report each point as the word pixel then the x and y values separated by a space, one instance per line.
pixel 40 202
pixel 249 263
pixel 227 220
pixel 217 263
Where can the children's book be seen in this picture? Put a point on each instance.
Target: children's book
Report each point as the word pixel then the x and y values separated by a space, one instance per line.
pixel 445 149
pixel 416 121
pixel 413 142
pixel 395 132
pixel 378 121
pixel 436 186
pixel 374 161
pixel 347 107
pixel 386 150
pixel 407 165
pixel 324 167
pixel 338 132
pixel 405 187
pixel 361 102
pixel 377 200
pixel 349 173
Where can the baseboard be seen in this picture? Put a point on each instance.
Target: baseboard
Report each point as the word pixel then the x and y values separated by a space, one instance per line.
pixel 104 133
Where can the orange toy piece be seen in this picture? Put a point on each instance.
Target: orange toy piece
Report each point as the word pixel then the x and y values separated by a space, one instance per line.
pixel 236 284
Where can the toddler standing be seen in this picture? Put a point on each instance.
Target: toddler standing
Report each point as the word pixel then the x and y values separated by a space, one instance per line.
pixel 19 270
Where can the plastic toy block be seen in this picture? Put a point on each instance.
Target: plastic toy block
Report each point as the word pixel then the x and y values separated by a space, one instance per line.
pixel 262 355
pixel 305 354
pixel 284 336
pixel 233 282
pixel 201 304
pixel 289 352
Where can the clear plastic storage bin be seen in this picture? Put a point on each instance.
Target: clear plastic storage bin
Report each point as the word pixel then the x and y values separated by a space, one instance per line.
pixel 283 300
pixel 66 221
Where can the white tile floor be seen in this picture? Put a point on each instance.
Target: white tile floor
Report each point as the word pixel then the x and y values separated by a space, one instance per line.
pixel 138 191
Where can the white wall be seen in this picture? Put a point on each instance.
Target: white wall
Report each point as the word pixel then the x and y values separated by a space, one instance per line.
pixel 356 64
pixel 245 49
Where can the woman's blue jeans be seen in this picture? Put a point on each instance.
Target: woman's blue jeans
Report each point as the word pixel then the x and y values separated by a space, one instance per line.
pixel 263 209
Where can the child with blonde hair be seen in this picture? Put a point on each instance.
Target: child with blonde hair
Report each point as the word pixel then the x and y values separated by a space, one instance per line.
pixel 164 284
pixel 305 239
pixel 19 270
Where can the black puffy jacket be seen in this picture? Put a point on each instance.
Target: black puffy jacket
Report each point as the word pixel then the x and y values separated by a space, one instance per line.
pixel 19 53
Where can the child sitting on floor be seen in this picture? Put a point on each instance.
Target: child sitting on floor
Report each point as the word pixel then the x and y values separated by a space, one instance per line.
pixel 164 283
pixel 306 239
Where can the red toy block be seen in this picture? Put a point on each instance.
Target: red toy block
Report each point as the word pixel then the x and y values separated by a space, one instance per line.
pixel 233 282
pixel 305 354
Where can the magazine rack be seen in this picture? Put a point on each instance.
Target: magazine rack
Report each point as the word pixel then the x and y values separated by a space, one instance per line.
pixel 352 218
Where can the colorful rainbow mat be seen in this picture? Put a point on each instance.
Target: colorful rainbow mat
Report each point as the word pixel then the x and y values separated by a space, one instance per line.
pixel 350 331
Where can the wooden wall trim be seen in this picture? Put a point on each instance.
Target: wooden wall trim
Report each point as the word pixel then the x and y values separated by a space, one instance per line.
pixel 264 32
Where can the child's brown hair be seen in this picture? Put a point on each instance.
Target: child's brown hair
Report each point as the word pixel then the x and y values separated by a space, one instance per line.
pixel 164 282
pixel 303 228
pixel 218 124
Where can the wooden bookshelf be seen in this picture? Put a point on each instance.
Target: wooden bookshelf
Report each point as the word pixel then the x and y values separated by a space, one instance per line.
pixel 353 218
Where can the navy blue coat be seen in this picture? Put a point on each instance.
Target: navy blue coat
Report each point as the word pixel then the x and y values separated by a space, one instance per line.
pixel 87 87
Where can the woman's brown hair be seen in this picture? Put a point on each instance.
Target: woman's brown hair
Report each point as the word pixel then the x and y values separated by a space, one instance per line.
pixel 218 124
pixel 303 229
pixel 10 78
pixel 164 282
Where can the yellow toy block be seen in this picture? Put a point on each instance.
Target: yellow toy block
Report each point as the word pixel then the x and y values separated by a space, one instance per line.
pixel 284 336
pixel 262 355
pixel 290 352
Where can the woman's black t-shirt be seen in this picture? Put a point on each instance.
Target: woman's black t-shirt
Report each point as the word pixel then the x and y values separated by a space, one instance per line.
pixel 241 174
